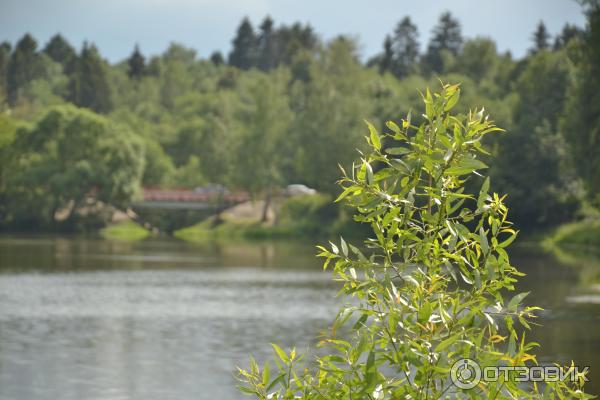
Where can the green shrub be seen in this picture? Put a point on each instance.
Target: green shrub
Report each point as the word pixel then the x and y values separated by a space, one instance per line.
pixel 432 288
pixel 580 234
pixel 315 206
pixel 308 215
pixel 125 230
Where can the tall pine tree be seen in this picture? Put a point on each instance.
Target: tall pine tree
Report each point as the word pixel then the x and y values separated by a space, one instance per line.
pixel 291 40
pixel 446 36
pixel 217 58
pixel 136 64
pixel 59 50
pixel 89 85
pixel 4 59
pixel 23 67
pixel 386 59
pixel 267 45
pixel 568 33
pixel 541 38
pixel 244 52
pixel 405 48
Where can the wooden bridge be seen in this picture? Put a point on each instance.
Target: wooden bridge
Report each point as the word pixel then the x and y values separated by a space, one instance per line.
pixel 182 199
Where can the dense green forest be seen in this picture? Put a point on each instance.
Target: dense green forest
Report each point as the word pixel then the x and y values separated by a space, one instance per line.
pixel 286 107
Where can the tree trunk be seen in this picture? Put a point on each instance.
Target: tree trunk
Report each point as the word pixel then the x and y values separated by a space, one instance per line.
pixel 265 210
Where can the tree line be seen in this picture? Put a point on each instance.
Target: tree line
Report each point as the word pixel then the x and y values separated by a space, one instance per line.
pixel 285 106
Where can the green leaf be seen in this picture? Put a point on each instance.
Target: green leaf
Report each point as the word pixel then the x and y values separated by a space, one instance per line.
pixel 508 241
pixel 483 241
pixel 334 248
pixel 266 374
pixel 429 105
pixel 516 300
pixel 370 370
pixel 369 173
pixel 393 126
pixel 375 141
pixel 466 278
pixel 345 193
pixel 424 312
pixel 465 166
pixel 524 322
pixel 249 391
pixel 490 319
pixel 361 321
pixel 280 353
pixel 483 193
pixel 452 101
pixel 397 151
pixel 447 342
pixel 344 247
pixel 353 273
pixel 275 381
pixel 512 346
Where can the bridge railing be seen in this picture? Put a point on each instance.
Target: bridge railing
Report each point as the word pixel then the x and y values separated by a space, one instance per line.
pixel 184 195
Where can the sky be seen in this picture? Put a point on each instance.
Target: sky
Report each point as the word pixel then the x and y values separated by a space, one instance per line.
pixel 115 26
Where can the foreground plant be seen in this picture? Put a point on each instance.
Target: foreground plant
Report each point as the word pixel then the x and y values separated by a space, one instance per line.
pixel 431 287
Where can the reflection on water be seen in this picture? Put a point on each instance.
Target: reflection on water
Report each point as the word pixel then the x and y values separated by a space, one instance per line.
pixel 91 319
pixel 570 326
pixel 162 319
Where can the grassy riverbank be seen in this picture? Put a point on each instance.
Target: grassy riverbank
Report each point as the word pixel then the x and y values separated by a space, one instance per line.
pixel 296 217
pixel 581 234
pixel 317 216
pixel 125 230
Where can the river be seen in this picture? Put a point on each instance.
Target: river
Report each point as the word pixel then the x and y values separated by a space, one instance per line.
pixel 160 319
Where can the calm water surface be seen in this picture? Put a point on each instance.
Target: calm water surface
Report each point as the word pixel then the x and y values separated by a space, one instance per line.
pixel 162 319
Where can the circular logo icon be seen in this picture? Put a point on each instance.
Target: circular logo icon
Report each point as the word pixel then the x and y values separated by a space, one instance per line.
pixel 465 373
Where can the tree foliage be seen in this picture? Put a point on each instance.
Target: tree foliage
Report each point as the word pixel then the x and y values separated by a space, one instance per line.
pixel 541 38
pixel 23 67
pixel 268 116
pixel 89 86
pixel 267 45
pixel 243 55
pixel 5 48
pixel 404 48
pixel 69 158
pixel 60 51
pixel 194 113
pixel 136 64
pixel 446 40
pixel 581 121
pixel 432 287
pixel 536 149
